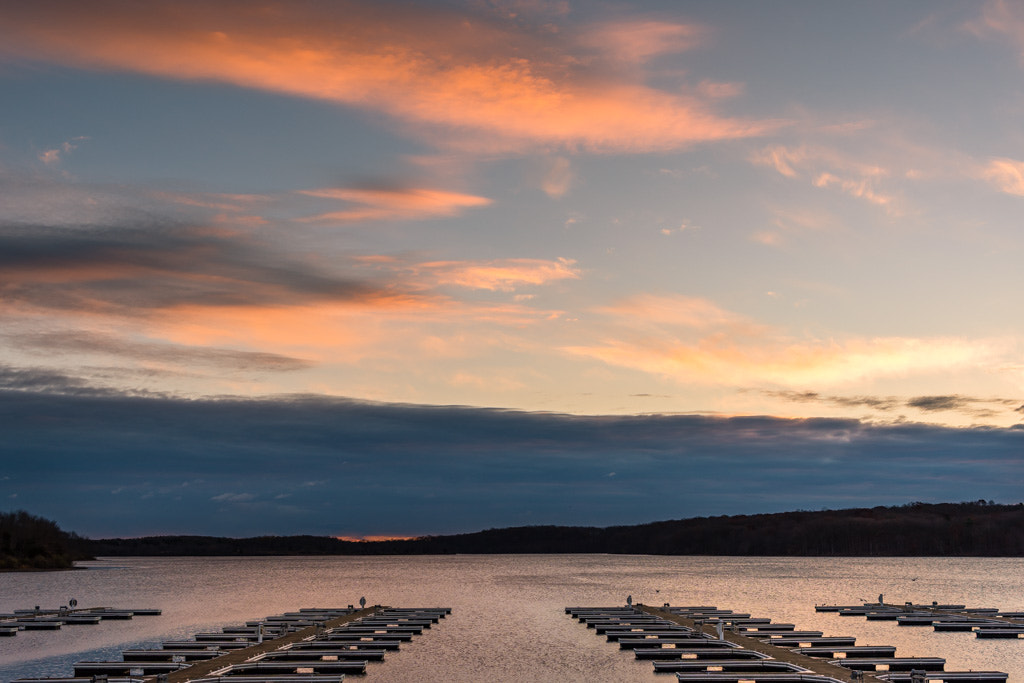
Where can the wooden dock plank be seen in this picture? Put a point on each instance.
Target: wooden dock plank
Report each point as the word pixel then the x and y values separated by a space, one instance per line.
pixel 203 669
pixel 782 654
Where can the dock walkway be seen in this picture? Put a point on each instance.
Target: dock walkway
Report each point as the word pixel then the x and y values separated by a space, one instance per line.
pixel 312 648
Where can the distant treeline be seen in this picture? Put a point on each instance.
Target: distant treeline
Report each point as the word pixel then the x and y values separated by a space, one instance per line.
pixel 28 542
pixel 916 529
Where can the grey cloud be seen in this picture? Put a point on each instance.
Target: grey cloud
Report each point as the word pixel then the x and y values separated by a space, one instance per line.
pixel 88 342
pixel 956 402
pixel 450 468
pixel 978 407
pixel 876 402
pixel 124 267
pixel 39 379
pixel 932 403
pixel 234 497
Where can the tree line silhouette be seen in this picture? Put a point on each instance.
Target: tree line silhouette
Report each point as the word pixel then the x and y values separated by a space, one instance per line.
pixel 917 529
pixel 30 542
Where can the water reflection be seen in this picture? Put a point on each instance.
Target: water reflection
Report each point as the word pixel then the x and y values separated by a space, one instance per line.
pixel 508 622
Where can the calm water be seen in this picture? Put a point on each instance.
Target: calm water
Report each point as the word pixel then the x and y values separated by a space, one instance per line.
pixel 508 622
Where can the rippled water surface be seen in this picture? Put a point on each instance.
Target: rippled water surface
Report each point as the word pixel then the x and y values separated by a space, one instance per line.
pixel 508 621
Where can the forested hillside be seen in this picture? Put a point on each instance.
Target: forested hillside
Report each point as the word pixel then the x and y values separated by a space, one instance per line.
pixel 917 529
pixel 30 542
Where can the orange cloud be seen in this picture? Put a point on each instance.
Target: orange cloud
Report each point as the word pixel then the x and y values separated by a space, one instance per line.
pixel 639 40
pixel 1006 174
pixel 674 311
pixel 393 204
pixel 718 360
pixel 54 156
pixel 501 275
pixel 1003 19
pixel 692 340
pixel 829 168
pixel 860 188
pixel 491 85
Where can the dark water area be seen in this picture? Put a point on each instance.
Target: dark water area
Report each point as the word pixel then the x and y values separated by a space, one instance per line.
pixel 508 621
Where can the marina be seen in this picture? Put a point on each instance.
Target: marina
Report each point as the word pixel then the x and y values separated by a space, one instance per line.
pixel 509 620
pixel 36 619
pixel 324 644
pixel 709 644
pixel 984 622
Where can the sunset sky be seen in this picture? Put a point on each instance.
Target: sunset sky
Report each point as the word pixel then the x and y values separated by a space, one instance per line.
pixel 503 262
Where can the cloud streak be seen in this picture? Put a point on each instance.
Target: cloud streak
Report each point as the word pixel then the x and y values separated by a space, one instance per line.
pixel 78 343
pixel 967 405
pixel 504 275
pixel 1006 174
pixel 126 270
pixel 693 340
pixel 374 204
pixel 497 85
pixel 827 168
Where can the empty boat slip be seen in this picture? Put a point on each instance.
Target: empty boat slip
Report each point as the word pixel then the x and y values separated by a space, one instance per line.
pixel 316 646
pixel 713 645
pixel 37 619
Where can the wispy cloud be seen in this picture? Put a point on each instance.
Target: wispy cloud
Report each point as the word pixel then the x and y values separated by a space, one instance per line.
pixel 497 84
pixel 968 405
pixel 130 270
pixel 1006 174
pixel 693 340
pixel 380 203
pixel 52 157
pixel 502 275
pixel 828 168
pixel 234 497
pixel 639 40
pixel 79 343
pixel 40 379
pixel 1001 19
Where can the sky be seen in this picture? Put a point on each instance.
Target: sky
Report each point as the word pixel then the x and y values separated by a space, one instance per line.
pixel 400 268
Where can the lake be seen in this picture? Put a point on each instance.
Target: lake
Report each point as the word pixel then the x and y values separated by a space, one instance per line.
pixel 508 621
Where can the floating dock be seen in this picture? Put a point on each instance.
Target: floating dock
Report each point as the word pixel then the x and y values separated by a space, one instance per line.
pixel 711 645
pixel 984 622
pixel 37 619
pixel 325 644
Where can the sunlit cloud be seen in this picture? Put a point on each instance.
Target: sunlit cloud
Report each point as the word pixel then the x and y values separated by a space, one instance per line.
pixel 859 187
pixel 638 41
pixel 796 363
pixel 828 168
pixel 692 340
pixel 558 177
pixel 1005 174
pixel 219 201
pixel 720 90
pixel 497 85
pixel 1000 19
pixel 500 275
pixel 675 311
pixel 374 204
pixel 52 157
